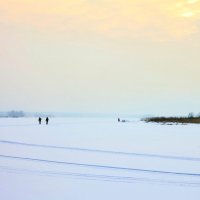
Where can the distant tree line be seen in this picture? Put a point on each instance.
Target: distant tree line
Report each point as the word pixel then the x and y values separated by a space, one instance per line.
pixel 15 114
pixel 191 118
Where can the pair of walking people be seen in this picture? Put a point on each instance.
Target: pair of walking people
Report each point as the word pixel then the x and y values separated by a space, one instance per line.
pixel 40 120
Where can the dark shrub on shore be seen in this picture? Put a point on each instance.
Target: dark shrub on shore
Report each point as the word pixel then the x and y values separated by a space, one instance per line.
pixel 183 120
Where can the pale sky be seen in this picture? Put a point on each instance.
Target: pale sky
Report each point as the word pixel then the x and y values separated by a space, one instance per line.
pixel 110 56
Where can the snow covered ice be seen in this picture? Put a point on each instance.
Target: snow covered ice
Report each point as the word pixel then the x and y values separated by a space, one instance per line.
pixel 98 158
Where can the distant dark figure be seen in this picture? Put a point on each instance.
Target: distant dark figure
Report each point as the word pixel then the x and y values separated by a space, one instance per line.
pixel 47 121
pixel 118 119
pixel 40 120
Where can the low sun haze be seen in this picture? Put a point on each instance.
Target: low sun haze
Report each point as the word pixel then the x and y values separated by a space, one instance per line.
pixel 111 56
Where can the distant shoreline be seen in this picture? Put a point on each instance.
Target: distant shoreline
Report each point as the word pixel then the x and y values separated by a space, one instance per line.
pixel 179 120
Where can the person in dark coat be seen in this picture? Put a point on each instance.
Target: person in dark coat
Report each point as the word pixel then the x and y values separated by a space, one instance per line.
pixel 47 121
pixel 40 120
pixel 118 119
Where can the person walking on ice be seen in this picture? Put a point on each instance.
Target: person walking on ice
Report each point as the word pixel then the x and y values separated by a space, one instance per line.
pixel 47 121
pixel 40 120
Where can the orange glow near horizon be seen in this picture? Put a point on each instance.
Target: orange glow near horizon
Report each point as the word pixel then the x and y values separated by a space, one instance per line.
pixel 100 55
pixel 113 18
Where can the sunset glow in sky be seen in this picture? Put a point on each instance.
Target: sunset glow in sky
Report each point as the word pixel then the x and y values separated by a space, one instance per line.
pixel 111 56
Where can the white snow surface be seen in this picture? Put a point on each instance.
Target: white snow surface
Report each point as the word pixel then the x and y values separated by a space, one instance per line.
pixel 95 159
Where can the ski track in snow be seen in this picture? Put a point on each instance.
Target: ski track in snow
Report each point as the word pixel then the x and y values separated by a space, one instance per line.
pixel 102 151
pixel 97 177
pixel 99 166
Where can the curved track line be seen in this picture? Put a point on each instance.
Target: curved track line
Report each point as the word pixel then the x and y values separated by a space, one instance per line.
pixel 99 166
pixel 102 151
pixel 98 177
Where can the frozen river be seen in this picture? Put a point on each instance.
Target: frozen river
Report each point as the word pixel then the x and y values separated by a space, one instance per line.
pixel 93 158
